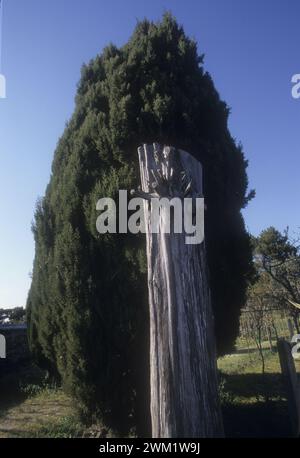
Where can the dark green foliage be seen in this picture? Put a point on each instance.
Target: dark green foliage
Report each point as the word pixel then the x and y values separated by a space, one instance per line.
pixel 87 308
pixel 273 247
pixel 277 262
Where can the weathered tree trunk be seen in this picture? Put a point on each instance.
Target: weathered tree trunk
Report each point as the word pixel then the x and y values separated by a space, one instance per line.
pixel 184 386
pixel 290 328
pixel 292 384
pixel 295 316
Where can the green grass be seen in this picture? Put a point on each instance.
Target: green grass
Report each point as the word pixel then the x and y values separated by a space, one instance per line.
pixel 48 413
pixel 253 404
pixel 63 427
pixel 31 407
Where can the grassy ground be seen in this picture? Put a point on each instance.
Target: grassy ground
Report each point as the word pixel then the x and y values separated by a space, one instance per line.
pixel 254 404
pixel 30 408
pixel 44 414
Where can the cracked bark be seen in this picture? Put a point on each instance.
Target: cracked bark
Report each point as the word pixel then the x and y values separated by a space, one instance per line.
pixel 184 386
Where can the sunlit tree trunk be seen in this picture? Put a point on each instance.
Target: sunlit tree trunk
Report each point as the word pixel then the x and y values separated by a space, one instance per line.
pixel 184 386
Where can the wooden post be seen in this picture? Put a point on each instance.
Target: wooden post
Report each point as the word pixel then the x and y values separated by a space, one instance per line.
pixel 290 328
pixel 292 384
pixel 184 385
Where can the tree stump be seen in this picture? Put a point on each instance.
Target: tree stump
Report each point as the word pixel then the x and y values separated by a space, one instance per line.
pixel 292 384
pixel 183 371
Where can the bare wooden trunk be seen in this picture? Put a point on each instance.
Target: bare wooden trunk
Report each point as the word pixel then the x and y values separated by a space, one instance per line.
pixel 292 384
pixel 184 386
pixel 290 328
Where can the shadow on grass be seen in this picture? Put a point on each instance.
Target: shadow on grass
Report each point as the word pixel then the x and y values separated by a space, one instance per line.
pixel 260 419
pixel 267 385
pixel 254 405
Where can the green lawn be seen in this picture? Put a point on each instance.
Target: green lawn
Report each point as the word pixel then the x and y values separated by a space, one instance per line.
pixel 254 404
pixel 30 408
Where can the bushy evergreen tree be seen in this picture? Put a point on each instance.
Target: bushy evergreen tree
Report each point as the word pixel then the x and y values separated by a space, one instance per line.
pixel 87 307
pixel 277 257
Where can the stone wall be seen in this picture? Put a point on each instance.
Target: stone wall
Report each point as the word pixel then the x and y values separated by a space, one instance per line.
pixel 17 349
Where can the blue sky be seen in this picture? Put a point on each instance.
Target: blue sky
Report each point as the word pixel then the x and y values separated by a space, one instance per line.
pixel 252 51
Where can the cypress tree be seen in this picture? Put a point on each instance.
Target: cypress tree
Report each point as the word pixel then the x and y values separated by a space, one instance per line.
pixel 87 306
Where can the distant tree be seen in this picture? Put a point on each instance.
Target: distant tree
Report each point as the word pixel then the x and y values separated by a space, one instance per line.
pixel 277 256
pixel 87 307
pixel 257 322
pixel 15 315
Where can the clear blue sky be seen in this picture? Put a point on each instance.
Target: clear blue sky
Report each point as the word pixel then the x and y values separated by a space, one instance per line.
pixel 252 51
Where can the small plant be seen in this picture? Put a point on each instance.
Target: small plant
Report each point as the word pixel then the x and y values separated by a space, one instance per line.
pixel 226 396
pixel 30 389
pixel 33 389
pixel 66 427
